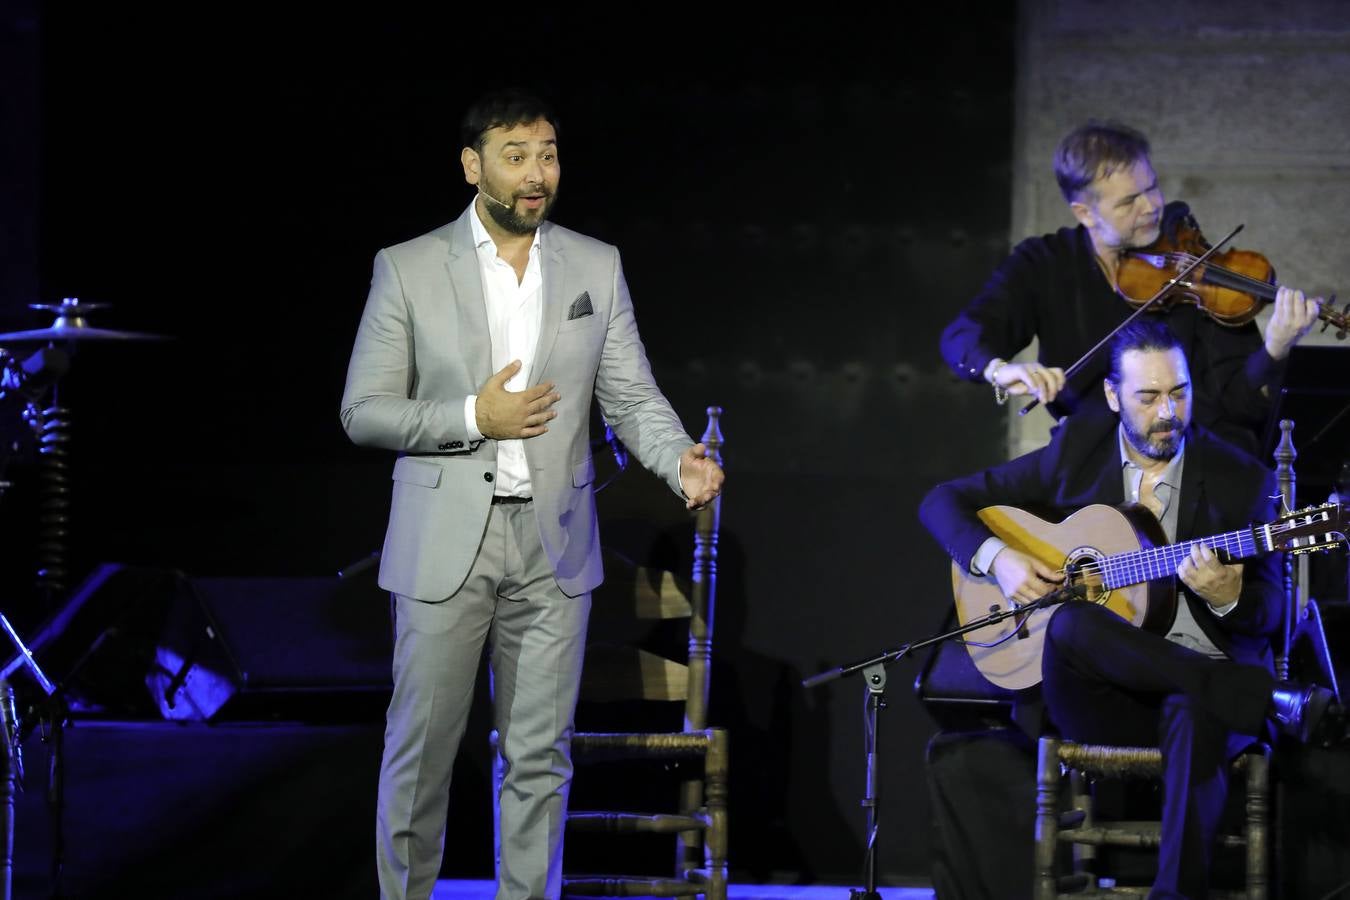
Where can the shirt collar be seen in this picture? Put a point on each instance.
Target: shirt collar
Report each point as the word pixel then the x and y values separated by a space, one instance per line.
pixel 481 237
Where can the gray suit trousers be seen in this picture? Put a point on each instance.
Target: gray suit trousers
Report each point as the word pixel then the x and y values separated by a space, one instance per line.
pixel 537 636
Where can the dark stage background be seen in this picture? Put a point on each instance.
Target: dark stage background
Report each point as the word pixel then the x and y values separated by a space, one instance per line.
pixel 801 203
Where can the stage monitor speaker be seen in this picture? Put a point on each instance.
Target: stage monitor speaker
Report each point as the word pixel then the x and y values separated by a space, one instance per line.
pixel 98 645
pixel 142 642
pixel 275 648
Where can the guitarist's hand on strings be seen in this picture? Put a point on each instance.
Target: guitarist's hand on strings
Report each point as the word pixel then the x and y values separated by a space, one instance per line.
pixel 1023 578
pixel 1217 584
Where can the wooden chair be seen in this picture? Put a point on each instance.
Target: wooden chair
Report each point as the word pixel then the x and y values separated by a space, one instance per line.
pixel 1069 817
pixel 617 673
pixel 627 678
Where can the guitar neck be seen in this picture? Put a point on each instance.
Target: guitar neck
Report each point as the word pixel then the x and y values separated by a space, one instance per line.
pixel 1138 566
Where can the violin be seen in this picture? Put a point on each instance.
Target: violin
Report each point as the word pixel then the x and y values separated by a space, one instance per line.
pixel 1230 286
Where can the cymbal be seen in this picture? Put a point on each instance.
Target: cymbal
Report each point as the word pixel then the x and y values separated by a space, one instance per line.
pixel 66 332
pixel 70 325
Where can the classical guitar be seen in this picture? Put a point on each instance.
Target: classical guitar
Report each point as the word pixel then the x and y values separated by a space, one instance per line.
pixel 1116 557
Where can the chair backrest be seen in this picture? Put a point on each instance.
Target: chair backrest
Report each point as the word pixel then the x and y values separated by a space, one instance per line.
pixel 638 652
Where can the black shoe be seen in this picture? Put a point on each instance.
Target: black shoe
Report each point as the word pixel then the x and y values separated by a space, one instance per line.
pixel 1298 709
pixel 1334 729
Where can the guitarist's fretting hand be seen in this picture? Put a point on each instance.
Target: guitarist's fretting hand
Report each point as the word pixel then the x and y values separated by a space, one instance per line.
pixel 1216 583
pixel 1023 578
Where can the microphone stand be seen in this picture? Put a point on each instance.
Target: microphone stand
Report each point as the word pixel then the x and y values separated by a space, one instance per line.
pixel 11 737
pixel 874 670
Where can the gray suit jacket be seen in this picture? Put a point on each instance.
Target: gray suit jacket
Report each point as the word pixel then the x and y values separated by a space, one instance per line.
pixel 423 346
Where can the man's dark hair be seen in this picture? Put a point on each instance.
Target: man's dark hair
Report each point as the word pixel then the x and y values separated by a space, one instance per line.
pixel 503 108
pixel 1146 333
pixel 1093 151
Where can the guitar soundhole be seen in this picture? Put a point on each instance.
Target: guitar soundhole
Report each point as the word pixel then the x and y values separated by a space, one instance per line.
pixel 1084 566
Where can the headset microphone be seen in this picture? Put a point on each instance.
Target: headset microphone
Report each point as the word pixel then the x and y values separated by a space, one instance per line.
pixel 485 194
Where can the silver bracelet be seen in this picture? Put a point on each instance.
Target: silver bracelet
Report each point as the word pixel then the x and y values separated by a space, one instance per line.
pixel 1000 392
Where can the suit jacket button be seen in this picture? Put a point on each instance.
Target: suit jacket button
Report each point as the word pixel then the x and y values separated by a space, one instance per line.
pixel 456 444
pixel 487 476
pixel 443 447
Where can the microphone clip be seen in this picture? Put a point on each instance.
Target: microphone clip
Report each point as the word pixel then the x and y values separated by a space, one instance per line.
pixel 1068 592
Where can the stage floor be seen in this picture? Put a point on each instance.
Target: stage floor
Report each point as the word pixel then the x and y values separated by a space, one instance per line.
pixel 483 890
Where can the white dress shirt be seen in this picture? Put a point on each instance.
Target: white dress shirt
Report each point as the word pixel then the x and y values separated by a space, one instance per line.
pixel 514 310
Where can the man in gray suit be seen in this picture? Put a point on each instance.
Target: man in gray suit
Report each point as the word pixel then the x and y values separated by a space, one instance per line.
pixel 478 354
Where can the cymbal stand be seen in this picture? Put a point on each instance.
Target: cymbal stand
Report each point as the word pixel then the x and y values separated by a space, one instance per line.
pixel 14 378
pixel 51 426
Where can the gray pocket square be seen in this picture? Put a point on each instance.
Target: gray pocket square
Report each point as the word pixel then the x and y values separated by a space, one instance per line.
pixel 580 306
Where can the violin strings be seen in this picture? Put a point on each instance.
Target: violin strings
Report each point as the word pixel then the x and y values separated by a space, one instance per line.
pixel 1237 277
pixel 1237 281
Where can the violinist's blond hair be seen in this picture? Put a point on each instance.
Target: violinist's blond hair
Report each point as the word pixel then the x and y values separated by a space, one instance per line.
pixel 1095 150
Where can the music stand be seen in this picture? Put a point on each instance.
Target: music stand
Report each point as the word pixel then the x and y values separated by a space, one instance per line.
pixel 1315 396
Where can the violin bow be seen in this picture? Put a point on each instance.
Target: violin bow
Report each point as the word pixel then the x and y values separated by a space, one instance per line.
pixel 1172 282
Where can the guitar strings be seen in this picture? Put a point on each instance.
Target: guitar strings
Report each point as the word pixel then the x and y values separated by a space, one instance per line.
pixel 1156 554
pixel 1144 559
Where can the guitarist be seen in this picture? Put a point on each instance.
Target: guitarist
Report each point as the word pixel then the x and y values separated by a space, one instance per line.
pixel 1206 690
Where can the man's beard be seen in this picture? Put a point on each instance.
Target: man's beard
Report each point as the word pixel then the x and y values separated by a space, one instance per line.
pixel 515 223
pixel 1141 238
pixel 1166 448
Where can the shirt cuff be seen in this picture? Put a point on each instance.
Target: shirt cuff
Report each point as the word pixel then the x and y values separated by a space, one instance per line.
pixel 1224 610
pixel 984 557
pixel 471 418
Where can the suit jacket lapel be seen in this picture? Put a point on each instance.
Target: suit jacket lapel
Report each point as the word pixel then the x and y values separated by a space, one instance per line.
pixel 466 286
pixel 1103 464
pixel 554 272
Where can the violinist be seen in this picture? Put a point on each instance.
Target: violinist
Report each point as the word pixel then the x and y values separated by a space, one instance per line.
pixel 1061 289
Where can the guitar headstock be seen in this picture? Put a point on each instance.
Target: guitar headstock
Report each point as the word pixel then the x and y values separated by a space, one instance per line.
pixel 1314 528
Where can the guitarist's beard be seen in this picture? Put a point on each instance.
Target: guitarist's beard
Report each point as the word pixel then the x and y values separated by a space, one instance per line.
pixel 1156 443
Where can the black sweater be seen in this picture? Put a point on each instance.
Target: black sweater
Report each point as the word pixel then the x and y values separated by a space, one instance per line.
pixel 1051 288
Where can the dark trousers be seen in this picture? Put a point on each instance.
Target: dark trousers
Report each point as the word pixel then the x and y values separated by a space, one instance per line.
pixel 1107 682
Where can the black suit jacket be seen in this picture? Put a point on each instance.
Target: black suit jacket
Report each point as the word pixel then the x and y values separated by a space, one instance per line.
pixel 1222 489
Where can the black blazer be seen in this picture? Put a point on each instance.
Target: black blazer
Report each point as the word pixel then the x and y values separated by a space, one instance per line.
pixel 1222 489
